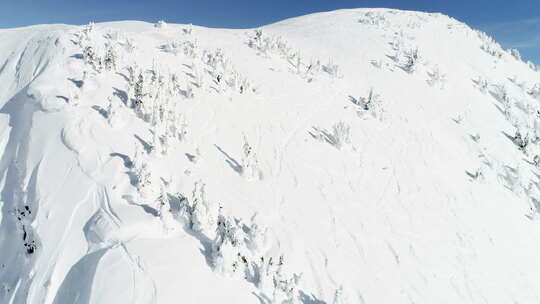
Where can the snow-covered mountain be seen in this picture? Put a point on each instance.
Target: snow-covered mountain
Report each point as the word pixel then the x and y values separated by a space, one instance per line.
pixel 356 156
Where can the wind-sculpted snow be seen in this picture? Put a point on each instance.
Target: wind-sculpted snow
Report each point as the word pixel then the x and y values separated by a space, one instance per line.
pixel 355 156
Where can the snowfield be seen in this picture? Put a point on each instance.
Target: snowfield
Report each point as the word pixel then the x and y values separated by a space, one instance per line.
pixel 356 156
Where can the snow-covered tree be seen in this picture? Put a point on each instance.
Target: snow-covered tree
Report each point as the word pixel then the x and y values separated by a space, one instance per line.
pixel 145 182
pixel 482 84
pixel 340 134
pixel 411 60
pixel 225 250
pixel 199 212
pixel 113 117
pixel 521 142
pixel 515 53
pixel 160 24
pixel 535 91
pixel 256 236
pixel 501 94
pixel 369 104
pixel 250 165
pixel 164 208
pixel 331 68
pixel 139 93
pixel 436 78
pixel 188 30
pixel 339 297
pixel 110 60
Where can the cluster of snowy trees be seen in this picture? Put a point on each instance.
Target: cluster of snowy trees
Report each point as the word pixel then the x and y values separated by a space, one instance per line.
pixel 236 248
pixel 373 18
pixel 187 47
pixel 520 112
pixel 99 56
pixel 213 64
pixel 225 76
pixel 406 57
pixel 488 45
pixel 269 46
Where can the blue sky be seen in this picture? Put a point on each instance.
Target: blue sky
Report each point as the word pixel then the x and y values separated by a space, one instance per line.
pixel 515 24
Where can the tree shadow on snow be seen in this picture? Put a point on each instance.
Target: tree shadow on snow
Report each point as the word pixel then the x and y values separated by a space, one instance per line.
pixel 263 299
pixel 101 111
pixel 77 83
pixel 231 161
pixel 64 98
pixel 501 110
pixel 324 135
pixel 150 210
pixel 510 138
pixel 123 76
pixel 309 299
pixel 77 56
pixel 122 95
pixel 77 285
pixel 147 147
pixel 192 158
pixel 128 163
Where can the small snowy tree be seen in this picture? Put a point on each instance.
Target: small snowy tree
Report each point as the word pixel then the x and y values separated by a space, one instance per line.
pixel 481 83
pixel 139 93
pixel 225 251
pixel 331 68
pixel 188 30
pixel 145 182
pixel 369 104
pixel 110 59
pixel 515 53
pixel 160 24
pixel 521 142
pixel 113 117
pixel 164 208
pixel 436 78
pixel 535 91
pixel 198 211
pixel 340 134
pixel 255 236
pixel 501 94
pixel 250 166
pixel 339 297
pixel 411 60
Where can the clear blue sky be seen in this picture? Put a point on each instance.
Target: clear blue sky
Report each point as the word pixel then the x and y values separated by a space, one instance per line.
pixel 514 23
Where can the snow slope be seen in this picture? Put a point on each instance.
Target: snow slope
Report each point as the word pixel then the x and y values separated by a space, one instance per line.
pixel 131 174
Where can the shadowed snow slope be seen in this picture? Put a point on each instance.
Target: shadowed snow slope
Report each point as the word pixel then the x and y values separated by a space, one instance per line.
pixel 356 156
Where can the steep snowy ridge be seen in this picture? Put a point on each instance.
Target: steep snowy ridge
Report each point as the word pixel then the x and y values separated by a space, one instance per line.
pixel 355 156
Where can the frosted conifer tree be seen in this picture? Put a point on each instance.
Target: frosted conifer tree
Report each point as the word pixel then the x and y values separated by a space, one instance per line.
pixel 138 93
pixel 199 211
pixel 225 252
pixel 339 298
pixel 113 117
pixel 411 60
pixel 110 59
pixel 250 166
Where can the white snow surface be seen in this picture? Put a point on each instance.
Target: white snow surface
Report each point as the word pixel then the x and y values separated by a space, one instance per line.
pixel 421 196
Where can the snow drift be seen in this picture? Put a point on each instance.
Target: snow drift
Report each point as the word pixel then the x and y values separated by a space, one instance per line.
pixel 355 156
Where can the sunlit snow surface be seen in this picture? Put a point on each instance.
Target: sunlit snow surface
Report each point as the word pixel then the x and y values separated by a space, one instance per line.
pixel 420 194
